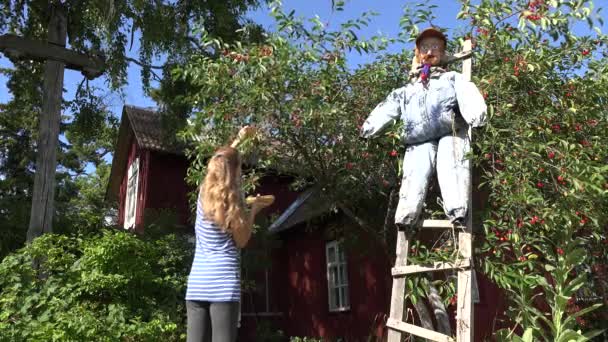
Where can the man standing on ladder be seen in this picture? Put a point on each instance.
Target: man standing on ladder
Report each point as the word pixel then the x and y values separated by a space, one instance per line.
pixel 436 108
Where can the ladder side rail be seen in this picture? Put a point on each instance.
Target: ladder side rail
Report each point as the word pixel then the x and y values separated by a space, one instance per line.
pixel 398 292
pixel 464 302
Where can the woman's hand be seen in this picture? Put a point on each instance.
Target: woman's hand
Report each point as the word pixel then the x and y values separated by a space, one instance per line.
pixel 259 202
pixel 244 133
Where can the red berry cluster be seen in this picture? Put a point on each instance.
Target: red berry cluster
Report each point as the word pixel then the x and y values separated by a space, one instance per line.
pixel 236 56
pixel 266 51
pixel 572 307
pixel 534 6
pixel 520 64
pixel 501 235
pixel 295 118
pixel 536 220
pixel 482 31
pixel 583 219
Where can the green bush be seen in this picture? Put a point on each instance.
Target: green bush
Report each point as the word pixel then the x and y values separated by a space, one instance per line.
pixel 107 287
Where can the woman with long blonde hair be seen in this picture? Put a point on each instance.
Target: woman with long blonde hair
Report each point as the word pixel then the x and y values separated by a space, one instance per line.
pixel 223 225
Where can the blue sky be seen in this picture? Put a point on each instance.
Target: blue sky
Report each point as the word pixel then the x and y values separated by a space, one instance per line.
pixel 386 23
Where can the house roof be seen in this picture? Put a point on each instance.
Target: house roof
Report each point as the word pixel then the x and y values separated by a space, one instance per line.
pixel 149 130
pixel 145 124
pixel 307 206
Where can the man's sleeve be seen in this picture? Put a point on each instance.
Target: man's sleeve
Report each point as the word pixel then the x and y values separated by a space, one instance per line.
pixel 470 101
pixel 385 113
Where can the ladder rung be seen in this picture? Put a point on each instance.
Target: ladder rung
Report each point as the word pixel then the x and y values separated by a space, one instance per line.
pixel 418 331
pixel 439 224
pixel 438 266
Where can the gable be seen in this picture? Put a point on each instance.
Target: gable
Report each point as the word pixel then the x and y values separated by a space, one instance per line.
pixel 144 127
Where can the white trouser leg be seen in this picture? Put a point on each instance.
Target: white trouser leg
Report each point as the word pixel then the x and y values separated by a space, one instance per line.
pixel 454 173
pixel 418 165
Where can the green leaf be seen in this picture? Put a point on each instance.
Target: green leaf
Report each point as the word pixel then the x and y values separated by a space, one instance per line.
pixel 528 335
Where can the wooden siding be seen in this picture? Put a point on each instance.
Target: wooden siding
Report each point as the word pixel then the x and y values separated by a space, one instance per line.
pixel 166 187
pixel 305 296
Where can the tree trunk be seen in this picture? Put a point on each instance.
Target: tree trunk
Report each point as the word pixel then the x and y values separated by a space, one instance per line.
pixel 441 314
pixel 41 216
pixel 424 315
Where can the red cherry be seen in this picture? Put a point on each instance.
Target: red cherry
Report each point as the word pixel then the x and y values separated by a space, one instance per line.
pixel 551 155
pixel 556 128
pixel 560 251
pixel 393 153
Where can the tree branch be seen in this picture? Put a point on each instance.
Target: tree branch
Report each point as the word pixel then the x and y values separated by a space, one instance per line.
pixel 141 64
pixel 361 223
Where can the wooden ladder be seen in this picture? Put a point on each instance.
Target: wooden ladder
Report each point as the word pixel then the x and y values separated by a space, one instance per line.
pixel 463 263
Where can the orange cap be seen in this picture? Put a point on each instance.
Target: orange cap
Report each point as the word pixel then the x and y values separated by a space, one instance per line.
pixel 431 32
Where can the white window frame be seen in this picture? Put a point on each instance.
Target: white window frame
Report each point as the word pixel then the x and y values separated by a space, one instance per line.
pixel 132 194
pixel 338 297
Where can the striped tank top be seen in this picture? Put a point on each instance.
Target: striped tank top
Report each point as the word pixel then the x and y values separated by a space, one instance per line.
pixel 215 273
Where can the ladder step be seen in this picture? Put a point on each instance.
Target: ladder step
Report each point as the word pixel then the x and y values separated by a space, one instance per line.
pixel 438 266
pixel 418 331
pixel 439 224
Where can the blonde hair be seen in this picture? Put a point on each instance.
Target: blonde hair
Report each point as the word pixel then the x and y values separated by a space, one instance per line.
pixel 221 190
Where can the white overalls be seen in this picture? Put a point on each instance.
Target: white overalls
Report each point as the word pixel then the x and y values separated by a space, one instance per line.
pixel 435 119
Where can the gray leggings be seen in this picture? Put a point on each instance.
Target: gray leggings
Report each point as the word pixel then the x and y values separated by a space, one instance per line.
pixel 212 322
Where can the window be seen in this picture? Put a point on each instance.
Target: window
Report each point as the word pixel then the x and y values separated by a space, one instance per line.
pixel 337 277
pixel 131 200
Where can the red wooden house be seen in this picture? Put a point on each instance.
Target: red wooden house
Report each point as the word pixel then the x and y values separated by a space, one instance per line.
pixel 311 285
pixel 147 174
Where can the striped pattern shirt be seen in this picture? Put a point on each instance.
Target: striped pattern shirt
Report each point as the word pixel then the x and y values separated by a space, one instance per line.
pixel 215 273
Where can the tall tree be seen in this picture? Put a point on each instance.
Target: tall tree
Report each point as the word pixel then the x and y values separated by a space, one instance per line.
pixel 541 156
pixel 106 28
pixel 103 28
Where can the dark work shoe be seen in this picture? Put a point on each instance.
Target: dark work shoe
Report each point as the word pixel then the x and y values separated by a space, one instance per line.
pixel 409 229
pixel 459 221
pixel 402 226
